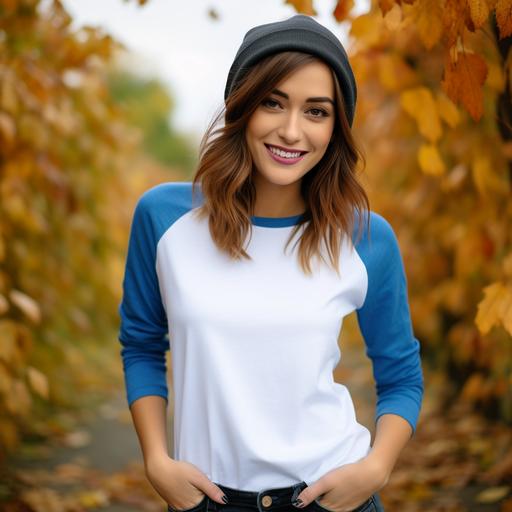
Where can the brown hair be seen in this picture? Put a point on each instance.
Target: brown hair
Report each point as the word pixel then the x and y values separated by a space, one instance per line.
pixel 330 190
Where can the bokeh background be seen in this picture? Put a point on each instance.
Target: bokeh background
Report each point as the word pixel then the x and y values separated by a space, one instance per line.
pixel 101 100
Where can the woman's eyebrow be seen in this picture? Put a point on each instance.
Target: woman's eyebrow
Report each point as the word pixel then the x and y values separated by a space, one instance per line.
pixel 315 100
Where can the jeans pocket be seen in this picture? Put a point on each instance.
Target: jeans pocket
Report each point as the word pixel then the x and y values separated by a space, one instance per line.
pixel 367 506
pixel 202 505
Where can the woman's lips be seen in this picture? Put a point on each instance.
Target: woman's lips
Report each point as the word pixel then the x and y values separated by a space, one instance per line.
pixel 282 160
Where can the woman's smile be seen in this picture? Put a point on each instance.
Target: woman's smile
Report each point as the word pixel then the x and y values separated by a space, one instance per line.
pixel 284 157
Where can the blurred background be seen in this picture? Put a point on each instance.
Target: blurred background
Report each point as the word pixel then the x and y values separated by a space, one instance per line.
pixel 101 100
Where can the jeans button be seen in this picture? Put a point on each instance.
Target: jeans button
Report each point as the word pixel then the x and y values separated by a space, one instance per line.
pixel 266 501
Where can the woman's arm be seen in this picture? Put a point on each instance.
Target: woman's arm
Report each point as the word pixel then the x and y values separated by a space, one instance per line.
pixel 391 435
pixel 150 421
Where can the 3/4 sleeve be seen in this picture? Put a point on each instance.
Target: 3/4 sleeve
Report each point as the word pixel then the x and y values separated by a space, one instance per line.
pixel 385 323
pixel 143 328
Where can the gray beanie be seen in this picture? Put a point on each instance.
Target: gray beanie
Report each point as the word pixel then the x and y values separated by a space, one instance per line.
pixel 302 33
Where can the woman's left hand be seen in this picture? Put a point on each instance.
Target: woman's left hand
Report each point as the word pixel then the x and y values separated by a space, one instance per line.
pixel 348 486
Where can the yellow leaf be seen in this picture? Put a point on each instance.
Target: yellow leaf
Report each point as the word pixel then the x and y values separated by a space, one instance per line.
pixel 18 401
pixel 38 381
pixel 485 177
pixel 491 307
pixel 26 304
pixel 394 73
pixel 506 311
pixel 8 97
pixel 496 77
pixel 393 18
pixel 430 160
pixel 94 499
pixel 428 15
pixel 493 494
pixel 420 104
pixel 366 29
pixel 448 111
pixel 7 129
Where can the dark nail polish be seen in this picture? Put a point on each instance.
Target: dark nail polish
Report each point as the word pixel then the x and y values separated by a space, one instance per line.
pixel 297 502
pixel 225 499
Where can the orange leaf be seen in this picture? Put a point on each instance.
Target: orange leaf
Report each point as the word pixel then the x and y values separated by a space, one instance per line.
pixel 504 17
pixel 454 16
pixel 479 12
pixel 342 9
pixel 303 6
pixel 463 82
pixel 386 5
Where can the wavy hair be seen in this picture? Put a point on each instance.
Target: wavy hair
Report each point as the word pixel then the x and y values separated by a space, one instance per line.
pixel 330 190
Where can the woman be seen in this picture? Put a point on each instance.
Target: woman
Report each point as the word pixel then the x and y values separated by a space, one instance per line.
pixel 259 423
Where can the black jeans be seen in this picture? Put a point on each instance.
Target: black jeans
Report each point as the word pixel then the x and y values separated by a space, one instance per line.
pixel 277 499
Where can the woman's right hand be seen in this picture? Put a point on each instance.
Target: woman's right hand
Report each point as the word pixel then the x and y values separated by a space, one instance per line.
pixel 181 484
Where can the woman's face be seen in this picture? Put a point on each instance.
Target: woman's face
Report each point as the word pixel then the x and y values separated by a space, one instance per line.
pixel 299 116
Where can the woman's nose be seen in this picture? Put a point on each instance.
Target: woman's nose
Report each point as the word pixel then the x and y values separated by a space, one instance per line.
pixel 290 128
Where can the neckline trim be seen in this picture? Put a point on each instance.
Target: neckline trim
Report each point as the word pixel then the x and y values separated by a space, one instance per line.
pixel 276 222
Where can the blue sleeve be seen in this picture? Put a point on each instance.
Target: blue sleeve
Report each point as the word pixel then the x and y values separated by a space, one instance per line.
pixel 143 328
pixel 385 323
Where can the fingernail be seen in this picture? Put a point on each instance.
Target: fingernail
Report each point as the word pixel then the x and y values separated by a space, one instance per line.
pixel 297 502
pixel 225 499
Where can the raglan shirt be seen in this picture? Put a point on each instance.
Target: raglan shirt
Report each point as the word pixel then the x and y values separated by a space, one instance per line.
pixel 254 342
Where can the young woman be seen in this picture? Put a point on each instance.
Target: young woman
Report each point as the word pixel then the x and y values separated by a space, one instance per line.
pixel 246 275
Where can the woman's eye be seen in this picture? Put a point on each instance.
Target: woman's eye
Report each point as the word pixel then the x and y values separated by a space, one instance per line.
pixel 323 113
pixel 269 100
pixel 272 103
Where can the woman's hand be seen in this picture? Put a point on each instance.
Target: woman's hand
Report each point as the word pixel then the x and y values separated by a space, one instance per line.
pixel 345 488
pixel 181 484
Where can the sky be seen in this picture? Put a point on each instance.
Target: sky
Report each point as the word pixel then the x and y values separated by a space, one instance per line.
pixel 191 53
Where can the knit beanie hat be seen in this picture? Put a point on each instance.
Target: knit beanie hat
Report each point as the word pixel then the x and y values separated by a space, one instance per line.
pixel 302 33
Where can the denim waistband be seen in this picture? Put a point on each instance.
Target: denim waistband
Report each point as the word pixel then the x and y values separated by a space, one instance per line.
pixel 266 500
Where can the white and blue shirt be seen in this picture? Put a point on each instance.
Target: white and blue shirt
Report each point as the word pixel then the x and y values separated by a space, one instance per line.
pixel 254 342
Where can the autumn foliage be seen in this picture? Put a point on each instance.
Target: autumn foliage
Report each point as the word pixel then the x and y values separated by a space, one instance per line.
pixel 434 113
pixel 434 116
pixel 66 198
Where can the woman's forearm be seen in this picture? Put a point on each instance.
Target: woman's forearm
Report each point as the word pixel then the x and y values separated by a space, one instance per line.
pixel 391 435
pixel 150 421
